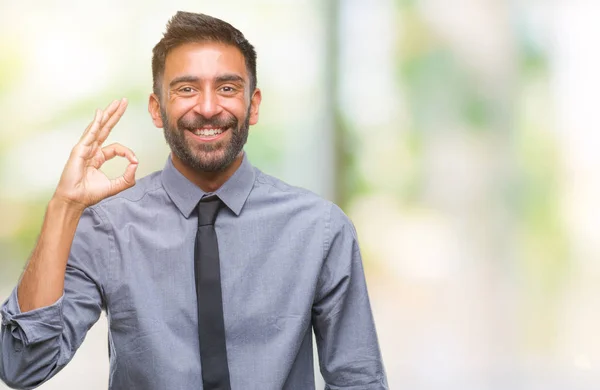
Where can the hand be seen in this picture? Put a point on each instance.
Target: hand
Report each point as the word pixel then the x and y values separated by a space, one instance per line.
pixel 82 183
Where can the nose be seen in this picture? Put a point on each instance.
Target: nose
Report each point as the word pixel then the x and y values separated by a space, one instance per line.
pixel 208 104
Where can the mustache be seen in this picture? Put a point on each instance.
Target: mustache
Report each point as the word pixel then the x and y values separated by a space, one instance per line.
pixel 200 121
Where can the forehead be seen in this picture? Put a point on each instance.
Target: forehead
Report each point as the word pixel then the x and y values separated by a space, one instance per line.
pixel 204 60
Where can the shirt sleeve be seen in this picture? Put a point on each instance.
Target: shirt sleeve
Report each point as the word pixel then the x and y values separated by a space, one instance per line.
pixel 37 344
pixel 349 354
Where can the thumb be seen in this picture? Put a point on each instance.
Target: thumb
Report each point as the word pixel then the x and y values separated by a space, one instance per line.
pixel 125 181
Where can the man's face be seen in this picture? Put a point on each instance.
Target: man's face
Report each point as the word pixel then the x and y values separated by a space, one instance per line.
pixel 206 108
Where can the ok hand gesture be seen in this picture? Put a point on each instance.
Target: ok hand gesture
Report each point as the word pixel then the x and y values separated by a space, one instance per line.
pixel 82 183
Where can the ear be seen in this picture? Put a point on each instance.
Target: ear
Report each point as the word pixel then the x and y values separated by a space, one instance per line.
pixel 154 110
pixel 254 105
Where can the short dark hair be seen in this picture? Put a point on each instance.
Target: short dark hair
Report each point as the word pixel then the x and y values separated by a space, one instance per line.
pixel 187 27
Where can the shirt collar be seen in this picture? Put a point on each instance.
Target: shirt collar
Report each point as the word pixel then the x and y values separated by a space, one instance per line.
pixel 186 194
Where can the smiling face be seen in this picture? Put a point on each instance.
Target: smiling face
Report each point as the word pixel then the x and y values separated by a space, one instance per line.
pixel 206 106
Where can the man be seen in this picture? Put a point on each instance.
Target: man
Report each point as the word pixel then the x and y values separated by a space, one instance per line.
pixel 212 274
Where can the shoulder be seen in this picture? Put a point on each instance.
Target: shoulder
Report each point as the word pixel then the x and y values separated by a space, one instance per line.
pixel 276 191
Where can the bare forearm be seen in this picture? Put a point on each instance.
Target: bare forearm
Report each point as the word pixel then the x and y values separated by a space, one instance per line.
pixel 43 280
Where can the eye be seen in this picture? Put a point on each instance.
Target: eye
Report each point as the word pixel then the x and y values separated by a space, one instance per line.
pixel 186 90
pixel 228 89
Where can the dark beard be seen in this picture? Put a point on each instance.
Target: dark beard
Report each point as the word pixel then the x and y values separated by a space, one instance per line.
pixel 192 155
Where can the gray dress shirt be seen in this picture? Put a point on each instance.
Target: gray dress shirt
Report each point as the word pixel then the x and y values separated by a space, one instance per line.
pixel 290 263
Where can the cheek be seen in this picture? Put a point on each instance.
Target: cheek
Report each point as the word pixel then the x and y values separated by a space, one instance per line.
pixel 237 108
pixel 181 107
pixel 178 110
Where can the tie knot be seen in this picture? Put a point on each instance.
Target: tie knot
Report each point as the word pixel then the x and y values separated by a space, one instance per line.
pixel 208 209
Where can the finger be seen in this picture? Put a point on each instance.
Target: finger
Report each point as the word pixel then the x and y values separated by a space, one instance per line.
pixel 125 181
pixel 89 126
pixel 103 118
pixel 90 133
pixel 109 110
pixel 112 121
pixel 117 149
pixel 128 178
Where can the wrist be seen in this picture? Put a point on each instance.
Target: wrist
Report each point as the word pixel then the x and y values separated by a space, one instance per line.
pixel 65 207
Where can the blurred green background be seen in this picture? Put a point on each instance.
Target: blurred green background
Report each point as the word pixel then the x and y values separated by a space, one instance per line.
pixel 457 134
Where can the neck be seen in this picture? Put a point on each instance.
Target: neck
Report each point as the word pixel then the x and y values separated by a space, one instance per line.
pixel 208 181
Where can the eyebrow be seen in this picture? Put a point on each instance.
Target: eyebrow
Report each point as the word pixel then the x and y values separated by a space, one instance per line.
pixel 183 79
pixel 229 77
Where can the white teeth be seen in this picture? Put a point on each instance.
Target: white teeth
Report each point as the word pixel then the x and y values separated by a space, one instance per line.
pixel 208 132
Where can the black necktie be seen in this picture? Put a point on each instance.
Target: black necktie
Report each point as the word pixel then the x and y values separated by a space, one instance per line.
pixel 211 326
